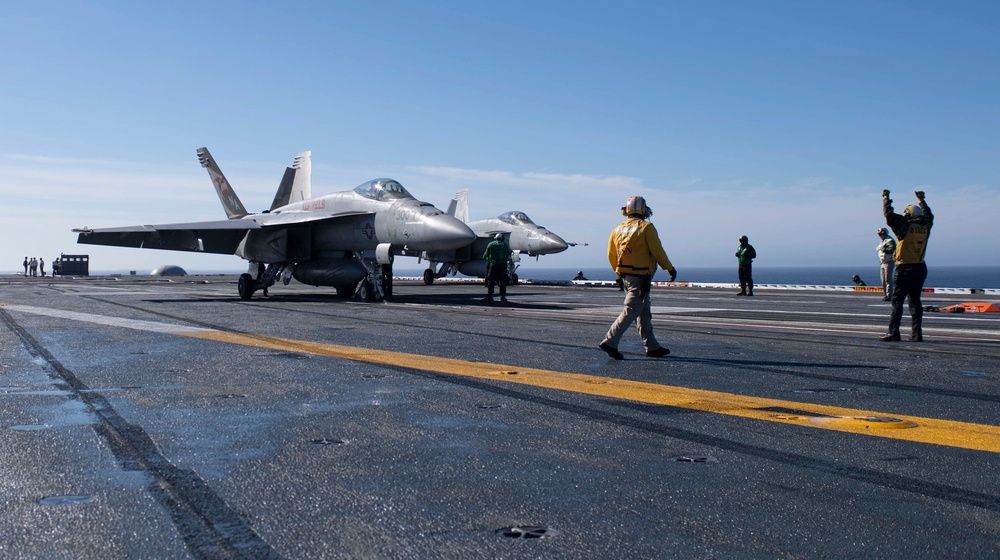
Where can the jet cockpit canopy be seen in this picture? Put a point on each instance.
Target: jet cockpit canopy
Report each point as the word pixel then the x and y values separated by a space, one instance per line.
pixel 382 189
pixel 516 218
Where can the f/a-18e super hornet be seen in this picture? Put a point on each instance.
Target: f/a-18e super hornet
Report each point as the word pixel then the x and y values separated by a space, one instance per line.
pixel 346 240
pixel 522 235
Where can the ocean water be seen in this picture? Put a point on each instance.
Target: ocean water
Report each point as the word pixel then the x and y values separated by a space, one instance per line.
pixel 937 276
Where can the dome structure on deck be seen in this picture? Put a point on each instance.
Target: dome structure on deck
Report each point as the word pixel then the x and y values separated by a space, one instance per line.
pixel 168 270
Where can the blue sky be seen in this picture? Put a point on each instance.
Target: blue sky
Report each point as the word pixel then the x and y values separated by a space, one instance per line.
pixel 781 120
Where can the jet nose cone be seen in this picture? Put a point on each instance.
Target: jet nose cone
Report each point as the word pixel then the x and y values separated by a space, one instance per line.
pixel 552 243
pixel 445 232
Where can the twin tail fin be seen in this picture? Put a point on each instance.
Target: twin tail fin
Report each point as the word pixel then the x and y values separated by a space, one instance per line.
pixel 295 186
pixel 230 202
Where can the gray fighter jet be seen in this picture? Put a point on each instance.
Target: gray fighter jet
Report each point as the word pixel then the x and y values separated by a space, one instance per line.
pixel 522 235
pixel 346 240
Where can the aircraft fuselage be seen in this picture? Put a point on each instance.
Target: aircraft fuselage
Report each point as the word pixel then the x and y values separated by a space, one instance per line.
pixel 530 239
pixel 347 222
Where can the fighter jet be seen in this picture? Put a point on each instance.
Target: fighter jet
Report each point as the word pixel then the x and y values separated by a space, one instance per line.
pixel 346 240
pixel 522 235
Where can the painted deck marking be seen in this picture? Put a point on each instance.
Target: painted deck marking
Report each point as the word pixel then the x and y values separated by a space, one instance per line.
pixel 982 437
pixel 152 326
pixel 965 435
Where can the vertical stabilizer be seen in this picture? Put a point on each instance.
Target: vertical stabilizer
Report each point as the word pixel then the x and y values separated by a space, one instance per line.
pixel 459 206
pixel 284 189
pixel 302 185
pixel 296 184
pixel 234 208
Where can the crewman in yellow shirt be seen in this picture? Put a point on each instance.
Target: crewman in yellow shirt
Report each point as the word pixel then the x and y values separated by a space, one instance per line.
pixel 634 250
pixel 912 230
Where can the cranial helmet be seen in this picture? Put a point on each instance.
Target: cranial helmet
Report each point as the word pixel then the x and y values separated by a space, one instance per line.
pixel 743 239
pixel 882 231
pixel 913 211
pixel 636 206
pixel 498 236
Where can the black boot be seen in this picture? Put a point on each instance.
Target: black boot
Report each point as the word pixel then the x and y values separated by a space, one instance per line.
pixel 658 353
pixel 611 351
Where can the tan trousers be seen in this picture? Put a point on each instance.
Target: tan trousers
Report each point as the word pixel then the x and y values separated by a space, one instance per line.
pixel 637 309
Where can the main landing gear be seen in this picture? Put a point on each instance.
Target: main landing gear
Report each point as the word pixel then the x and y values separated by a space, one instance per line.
pixel 247 284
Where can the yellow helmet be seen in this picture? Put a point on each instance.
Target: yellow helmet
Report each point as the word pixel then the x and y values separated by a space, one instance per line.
pixel 913 211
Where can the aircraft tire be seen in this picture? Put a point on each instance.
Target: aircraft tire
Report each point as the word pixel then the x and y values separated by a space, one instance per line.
pixel 428 277
pixel 247 286
pixel 366 292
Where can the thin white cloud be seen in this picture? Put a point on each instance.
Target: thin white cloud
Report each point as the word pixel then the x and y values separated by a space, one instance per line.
pixel 57 160
pixel 810 182
pixel 532 179
pixel 95 184
pixel 810 221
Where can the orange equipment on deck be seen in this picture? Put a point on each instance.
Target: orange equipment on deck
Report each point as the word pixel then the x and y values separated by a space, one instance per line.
pixel 972 307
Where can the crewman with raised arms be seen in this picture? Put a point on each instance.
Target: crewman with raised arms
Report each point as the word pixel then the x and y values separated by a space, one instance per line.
pixel 912 230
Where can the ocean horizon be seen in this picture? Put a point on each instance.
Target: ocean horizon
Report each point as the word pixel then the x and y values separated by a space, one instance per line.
pixel 937 276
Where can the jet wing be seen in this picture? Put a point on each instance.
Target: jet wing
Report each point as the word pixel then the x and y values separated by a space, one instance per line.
pixel 221 237
pixel 291 218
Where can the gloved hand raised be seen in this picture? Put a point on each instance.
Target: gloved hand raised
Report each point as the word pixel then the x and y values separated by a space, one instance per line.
pixel 885 193
pixel 920 195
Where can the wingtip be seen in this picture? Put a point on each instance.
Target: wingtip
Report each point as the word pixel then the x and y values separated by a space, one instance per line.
pixel 203 156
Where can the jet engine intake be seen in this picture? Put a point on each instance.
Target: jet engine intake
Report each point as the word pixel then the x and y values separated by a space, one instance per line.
pixel 383 253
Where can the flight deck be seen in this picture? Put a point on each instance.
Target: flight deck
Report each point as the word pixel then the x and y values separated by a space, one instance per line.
pixel 146 417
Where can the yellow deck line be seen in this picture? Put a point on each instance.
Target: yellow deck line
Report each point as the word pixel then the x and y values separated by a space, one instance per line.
pixel 982 437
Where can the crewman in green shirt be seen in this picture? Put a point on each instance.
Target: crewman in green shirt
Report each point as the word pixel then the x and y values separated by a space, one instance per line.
pixel 496 256
pixel 745 254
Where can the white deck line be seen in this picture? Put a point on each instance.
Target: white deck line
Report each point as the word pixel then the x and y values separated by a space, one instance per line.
pixel 150 326
pixel 817 287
